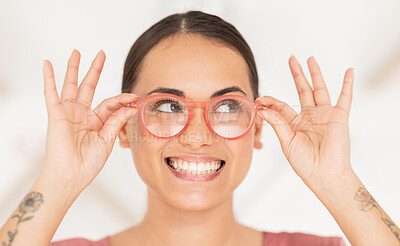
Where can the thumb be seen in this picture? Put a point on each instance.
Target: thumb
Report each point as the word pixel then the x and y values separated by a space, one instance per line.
pixel 281 127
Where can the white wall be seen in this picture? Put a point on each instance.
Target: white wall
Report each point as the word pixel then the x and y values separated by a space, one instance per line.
pixel 339 34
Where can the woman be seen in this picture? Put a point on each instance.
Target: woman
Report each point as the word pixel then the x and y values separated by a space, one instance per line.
pixel 189 115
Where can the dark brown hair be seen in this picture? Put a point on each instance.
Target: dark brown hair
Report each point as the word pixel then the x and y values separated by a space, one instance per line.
pixel 206 25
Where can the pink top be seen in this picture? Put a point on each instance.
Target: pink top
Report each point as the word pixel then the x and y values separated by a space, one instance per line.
pixel 270 239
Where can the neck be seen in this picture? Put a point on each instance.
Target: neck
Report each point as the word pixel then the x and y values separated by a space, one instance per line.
pixel 165 224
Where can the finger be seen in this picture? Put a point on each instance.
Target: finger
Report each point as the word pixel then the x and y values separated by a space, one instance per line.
pixel 346 95
pixel 114 123
pixel 281 127
pixel 70 87
pixel 89 83
pixel 304 90
pixel 50 90
pixel 321 94
pixel 281 107
pixel 110 105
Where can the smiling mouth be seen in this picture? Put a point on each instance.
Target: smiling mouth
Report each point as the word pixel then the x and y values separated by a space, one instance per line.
pixel 194 168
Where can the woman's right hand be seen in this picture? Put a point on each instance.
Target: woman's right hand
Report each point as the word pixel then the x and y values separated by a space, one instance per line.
pixel 79 139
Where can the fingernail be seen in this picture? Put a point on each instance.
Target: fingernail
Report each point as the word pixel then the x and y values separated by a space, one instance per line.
pixel 75 52
pixel 259 98
pixel 44 62
pixel 133 95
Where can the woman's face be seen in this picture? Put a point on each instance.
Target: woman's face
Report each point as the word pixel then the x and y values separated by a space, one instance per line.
pixel 198 68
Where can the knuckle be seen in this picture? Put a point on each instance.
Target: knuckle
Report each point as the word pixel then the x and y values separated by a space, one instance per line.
pixel 298 75
pixel 74 67
pixel 302 90
pixel 319 89
pixel 48 76
pixel 71 82
pixel 345 94
pixel 84 103
pixel 90 85
pixel 69 99
pixel 96 70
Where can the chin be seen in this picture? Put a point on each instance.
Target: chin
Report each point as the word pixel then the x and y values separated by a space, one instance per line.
pixel 195 201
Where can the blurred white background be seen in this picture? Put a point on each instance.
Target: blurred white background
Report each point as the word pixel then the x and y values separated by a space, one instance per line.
pixel 339 34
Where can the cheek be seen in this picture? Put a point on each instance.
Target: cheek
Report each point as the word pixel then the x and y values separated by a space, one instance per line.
pixel 136 131
pixel 145 148
pixel 242 150
pixel 243 147
pixel 138 135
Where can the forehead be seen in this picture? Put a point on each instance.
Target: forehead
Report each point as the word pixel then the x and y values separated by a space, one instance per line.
pixel 194 65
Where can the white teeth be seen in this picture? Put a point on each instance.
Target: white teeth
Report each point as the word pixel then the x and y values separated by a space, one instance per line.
pixel 200 167
pixel 197 168
pixel 185 166
pixel 208 167
pixel 192 167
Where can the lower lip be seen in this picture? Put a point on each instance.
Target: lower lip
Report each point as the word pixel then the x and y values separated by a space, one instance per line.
pixel 194 177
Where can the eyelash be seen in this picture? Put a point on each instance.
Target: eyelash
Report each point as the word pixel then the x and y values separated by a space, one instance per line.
pixel 154 106
pixel 239 104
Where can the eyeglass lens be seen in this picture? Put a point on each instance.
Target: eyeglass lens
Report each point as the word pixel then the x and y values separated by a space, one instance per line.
pixel 166 116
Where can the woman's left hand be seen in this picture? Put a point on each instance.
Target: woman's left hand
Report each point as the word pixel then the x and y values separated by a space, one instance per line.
pixel 316 141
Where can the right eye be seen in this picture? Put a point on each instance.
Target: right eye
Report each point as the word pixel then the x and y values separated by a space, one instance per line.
pixel 167 106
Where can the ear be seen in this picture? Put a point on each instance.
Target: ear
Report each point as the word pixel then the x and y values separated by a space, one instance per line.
pixel 257 133
pixel 123 137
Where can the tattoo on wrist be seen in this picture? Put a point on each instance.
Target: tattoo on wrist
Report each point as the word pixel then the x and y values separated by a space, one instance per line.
pixel 29 205
pixel 367 202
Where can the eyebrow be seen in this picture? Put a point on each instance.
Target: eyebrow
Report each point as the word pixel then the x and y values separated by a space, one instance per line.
pixel 182 94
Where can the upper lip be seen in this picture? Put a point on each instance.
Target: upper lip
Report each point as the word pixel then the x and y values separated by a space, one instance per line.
pixel 196 158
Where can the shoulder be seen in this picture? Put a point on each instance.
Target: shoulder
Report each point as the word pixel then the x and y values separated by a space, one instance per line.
pixel 301 239
pixel 78 241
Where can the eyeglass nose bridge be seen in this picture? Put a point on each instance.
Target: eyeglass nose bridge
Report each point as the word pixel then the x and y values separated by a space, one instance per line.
pixel 198 104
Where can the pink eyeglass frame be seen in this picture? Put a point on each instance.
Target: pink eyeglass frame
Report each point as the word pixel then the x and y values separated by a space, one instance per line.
pixel 205 105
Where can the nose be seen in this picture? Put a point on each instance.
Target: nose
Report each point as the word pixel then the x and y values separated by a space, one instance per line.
pixel 197 133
